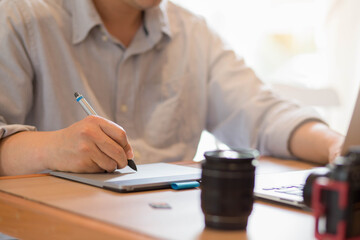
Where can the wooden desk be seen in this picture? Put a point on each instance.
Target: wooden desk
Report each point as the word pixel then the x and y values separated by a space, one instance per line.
pixel 46 207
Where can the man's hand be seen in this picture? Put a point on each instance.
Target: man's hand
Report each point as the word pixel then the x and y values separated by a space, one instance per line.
pixel 335 148
pixel 316 142
pixel 93 144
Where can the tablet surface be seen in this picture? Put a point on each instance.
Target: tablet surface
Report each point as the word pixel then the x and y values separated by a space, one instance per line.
pixel 148 177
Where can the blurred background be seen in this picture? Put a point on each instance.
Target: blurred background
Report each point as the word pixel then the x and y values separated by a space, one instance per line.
pixel 306 49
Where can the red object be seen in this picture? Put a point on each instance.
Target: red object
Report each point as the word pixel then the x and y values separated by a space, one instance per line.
pixel 318 207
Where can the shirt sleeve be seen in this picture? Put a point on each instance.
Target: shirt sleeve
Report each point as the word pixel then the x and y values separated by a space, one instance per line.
pixel 245 112
pixel 16 70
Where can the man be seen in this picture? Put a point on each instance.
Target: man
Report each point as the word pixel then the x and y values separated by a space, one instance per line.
pixel 152 68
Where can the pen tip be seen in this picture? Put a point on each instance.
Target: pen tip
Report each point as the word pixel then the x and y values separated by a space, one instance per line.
pixel 76 94
pixel 132 164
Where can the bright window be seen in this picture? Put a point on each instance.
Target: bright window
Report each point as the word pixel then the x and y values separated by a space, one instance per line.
pixel 310 46
pixel 307 49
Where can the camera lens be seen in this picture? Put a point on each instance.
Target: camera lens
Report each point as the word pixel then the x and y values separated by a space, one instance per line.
pixel 227 188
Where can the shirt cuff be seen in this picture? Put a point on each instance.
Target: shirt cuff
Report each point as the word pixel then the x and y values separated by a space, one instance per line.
pixel 7 130
pixel 289 124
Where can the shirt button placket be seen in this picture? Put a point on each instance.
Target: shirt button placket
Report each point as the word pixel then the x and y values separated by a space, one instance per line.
pixel 123 108
pixel 124 96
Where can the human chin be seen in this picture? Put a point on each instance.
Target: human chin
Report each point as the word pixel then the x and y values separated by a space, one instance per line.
pixel 144 4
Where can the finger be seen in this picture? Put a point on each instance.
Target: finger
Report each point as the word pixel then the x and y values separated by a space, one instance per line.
pixel 93 168
pixel 101 141
pixel 112 150
pixel 118 134
pixel 91 159
pixel 103 161
pixel 86 165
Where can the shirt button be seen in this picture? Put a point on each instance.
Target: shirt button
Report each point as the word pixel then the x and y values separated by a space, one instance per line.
pixel 123 108
pixel 104 38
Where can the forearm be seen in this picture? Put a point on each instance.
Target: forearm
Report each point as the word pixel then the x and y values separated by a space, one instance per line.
pixel 316 142
pixel 93 144
pixel 23 153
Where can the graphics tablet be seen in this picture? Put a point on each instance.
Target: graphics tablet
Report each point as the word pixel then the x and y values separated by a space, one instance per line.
pixel 148 177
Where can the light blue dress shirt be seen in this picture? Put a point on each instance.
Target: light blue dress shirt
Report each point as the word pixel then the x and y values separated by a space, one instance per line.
pixel 176 79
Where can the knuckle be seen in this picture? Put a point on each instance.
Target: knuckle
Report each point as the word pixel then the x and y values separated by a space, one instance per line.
pixel 122 134
pixel 118 151
pixel 85 131
pixel 84 148
pixel 91 119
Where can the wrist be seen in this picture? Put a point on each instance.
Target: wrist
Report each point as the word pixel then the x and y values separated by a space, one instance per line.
pixel 314 141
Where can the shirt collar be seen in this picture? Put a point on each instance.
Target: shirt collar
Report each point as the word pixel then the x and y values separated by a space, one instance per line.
pixel 157 19
pixel 85 17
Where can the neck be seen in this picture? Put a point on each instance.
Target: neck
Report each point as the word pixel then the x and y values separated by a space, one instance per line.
pixel 120 19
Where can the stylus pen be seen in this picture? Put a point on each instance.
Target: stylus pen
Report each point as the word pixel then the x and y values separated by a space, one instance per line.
pixel 90 111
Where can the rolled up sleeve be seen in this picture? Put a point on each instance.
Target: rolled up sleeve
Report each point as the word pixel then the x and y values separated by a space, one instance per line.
pixel 9 129
pixel 16 70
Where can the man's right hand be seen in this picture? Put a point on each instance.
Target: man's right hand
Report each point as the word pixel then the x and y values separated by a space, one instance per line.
pixel 93 144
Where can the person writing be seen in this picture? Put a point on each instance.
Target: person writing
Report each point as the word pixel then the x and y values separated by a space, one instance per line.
pixel 148 67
